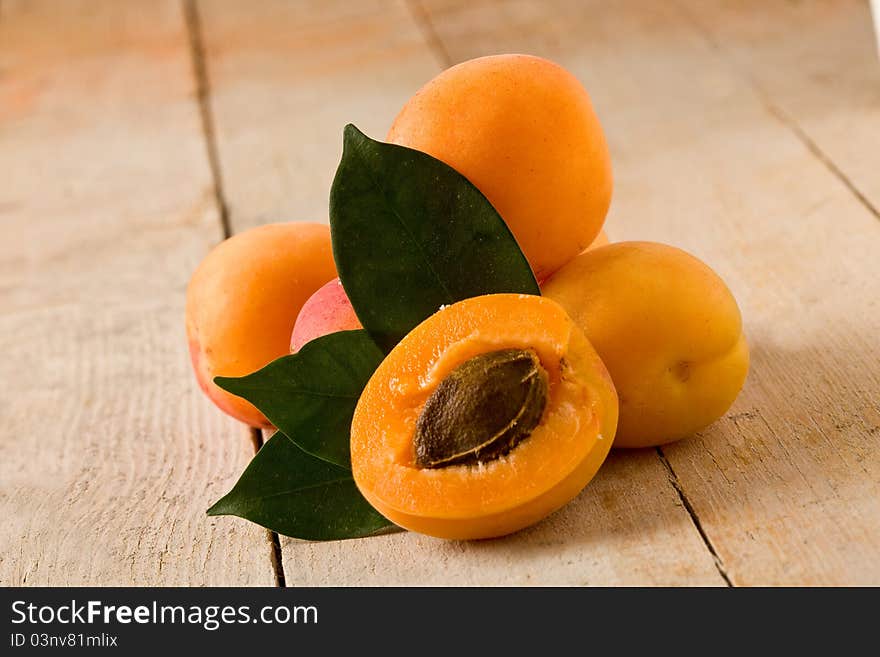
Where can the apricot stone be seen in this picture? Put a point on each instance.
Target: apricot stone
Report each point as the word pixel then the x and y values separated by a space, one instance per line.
pixel 523 130
pixel 242 301
pixel 328 310
pixel 488 416
pixel 668 330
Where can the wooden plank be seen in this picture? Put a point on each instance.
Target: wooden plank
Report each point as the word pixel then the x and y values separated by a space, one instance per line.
pixel 815 65
pixel 627 528
pixel 109 454
pixel 786 485
pixel 285 78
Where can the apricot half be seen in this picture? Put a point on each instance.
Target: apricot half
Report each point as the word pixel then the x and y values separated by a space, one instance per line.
pixel 523 130
pixel 243 299
pixel 667 328
pixel 488 416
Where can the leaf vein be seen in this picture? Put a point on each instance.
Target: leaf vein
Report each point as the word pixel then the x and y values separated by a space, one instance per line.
pixel 450 297
pixel 320 484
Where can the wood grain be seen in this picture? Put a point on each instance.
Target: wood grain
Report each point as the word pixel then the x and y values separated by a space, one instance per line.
pixel 284 81
pixel 815 66
pixel 109 453
pixel 628 528
pixel 786 485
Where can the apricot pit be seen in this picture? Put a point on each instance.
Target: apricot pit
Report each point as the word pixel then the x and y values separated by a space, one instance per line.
pixel 482 410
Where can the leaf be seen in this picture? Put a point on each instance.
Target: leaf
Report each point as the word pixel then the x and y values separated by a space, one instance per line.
pixel 311 395
pixel 293 493
pixel 411 234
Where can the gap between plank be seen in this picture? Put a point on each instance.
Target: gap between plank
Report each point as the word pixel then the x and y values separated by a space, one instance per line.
pixel 778 113
pixel 820 155
pixel 676 484
pixel 277 560
pixel 432 38
pixel 203 92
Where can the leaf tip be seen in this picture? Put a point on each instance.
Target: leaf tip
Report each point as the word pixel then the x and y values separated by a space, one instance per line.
pixel 217 508
pixel 227 383
pixel 351 132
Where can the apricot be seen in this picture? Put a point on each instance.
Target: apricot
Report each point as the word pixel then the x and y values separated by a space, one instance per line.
pixel 601 240
pixel 328 310
pixel 668 330
pixel 523 130
pixel 243 299
pixel 488 416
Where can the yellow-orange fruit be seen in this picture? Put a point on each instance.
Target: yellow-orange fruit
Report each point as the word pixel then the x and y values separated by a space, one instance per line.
pixel 601 240
pixel 243 299
pixel 504 494
pixel 668 330
pixel 523 130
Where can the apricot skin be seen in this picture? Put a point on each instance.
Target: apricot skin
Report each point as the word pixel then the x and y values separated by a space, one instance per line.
pixel 668 330
pixel 328 310
pixel 542 473
pixel 601 240
pixel 523 130
pixel 243 299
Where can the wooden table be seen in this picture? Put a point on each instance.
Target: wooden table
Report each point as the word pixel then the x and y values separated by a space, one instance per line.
pixel 134 135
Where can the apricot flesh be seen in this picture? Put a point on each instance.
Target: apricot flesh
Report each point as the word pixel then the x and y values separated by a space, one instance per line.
pixel 243 299
pixel 667 328
pixel 504 494
pixel 328 310
pixel 523 130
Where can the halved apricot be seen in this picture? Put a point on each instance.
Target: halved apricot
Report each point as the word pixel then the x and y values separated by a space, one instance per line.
pixel 488 416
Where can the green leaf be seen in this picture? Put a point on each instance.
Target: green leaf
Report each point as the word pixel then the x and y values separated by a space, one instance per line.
pixel 293 493
pixel 411 234
pixel 310 396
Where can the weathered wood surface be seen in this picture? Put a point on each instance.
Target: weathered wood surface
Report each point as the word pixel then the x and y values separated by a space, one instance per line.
pixel 746 133
pixel 109 454
pixel 816 66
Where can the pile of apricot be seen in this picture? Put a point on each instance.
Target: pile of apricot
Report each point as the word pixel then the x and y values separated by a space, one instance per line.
pixel 499 409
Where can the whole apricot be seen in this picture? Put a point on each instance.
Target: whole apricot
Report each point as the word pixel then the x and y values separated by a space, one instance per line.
pixel 488 416
pixel 668 330
pixel 601 240
pixel 243 299
pixel 523 130
pixel 328 310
